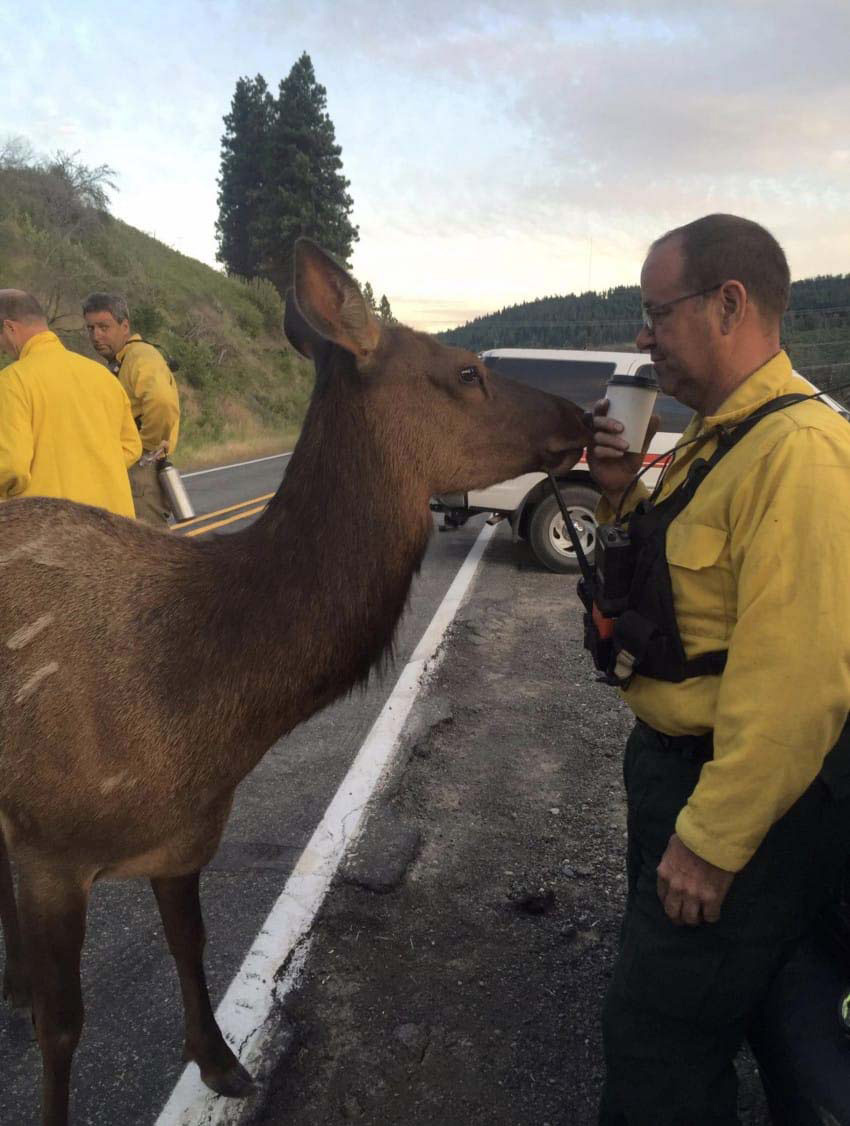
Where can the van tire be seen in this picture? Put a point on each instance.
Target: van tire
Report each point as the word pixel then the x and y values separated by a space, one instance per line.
pixel 548 536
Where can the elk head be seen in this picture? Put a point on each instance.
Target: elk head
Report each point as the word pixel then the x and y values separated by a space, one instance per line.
pixel 457 425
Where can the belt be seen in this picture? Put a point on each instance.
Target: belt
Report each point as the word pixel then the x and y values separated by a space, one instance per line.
pixel 698 748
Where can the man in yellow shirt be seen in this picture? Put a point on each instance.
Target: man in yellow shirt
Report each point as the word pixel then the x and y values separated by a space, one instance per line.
pixel 65 425
pixel 152 390
pixel 738 768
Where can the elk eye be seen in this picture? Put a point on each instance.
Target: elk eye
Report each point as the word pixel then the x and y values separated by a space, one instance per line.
pixel 469 375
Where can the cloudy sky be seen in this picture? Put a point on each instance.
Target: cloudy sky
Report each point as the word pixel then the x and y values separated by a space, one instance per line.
pixel 497 151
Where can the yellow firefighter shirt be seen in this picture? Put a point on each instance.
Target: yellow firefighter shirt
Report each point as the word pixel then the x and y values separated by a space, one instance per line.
pixel 152 392
pixel 760 564
pixel 66 429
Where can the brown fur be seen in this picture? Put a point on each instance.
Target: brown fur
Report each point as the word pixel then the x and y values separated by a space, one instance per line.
pixel 142 675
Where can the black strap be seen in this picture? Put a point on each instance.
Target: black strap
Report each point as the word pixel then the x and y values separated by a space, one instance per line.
pixel 671 506
pixel 572 532
pixel 171 364
pixel 707 664
pixel 726 439
pixel 638 633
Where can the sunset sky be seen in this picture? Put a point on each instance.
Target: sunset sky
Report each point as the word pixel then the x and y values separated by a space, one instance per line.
pixel 497 151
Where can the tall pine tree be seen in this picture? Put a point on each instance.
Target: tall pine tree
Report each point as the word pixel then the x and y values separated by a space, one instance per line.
pixel 242 179
pixel 369 297
pixel 305 191
pixel 385 311
pixel 281 177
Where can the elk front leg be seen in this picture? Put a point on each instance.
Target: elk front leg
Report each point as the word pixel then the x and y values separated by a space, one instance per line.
pixel 16 989
pixel 180 907
pixel 53 923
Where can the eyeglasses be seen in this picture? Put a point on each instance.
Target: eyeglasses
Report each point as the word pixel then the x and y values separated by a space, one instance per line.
pixel 651 312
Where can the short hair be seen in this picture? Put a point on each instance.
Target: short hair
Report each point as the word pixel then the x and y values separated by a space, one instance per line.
pixel 114 303
pixel 15 305
pixel 720 248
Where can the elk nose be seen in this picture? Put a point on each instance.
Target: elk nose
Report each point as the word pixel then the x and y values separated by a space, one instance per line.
pixel 579 424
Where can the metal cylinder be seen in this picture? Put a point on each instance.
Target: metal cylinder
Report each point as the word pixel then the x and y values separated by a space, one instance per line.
pixel 174 489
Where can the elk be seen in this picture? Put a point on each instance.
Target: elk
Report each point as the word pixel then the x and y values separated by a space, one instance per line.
pixel 114 760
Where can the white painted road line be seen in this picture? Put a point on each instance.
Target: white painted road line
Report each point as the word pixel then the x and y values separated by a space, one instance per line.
pixel 244 1012
pixel 235 465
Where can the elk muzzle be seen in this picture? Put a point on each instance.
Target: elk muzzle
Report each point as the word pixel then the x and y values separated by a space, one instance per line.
pixel 563 449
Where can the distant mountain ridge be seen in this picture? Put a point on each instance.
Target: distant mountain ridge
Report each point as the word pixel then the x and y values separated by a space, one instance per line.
pixel 816 329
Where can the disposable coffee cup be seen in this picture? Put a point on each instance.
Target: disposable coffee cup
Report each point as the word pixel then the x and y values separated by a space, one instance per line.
pixel 630 400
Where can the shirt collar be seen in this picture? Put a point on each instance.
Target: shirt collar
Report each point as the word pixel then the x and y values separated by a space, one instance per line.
pixel 767 382
pixel 36 341
pixel 119 356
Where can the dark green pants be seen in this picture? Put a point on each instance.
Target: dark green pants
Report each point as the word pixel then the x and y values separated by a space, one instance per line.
pixel 149 500
pixel 680 998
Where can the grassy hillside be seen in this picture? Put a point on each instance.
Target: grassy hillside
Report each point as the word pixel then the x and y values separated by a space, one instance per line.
pixel 242 386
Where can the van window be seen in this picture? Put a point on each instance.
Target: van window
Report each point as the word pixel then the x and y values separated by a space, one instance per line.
pixel 582 381
pixel 674 415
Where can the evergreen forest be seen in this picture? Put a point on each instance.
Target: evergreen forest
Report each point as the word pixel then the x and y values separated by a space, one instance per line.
pixel 816 328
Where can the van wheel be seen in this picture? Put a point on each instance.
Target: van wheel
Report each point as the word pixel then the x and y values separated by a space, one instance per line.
pixel 548 536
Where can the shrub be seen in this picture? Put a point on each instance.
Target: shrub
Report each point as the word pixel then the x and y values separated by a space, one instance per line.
pixel 197 363
pixel 146 319
pixel 267 299
pixel 249 318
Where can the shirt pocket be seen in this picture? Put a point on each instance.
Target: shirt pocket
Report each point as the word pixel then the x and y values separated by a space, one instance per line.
pixel 701 576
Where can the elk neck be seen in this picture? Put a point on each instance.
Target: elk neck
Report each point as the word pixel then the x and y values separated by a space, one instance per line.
pixel 316 586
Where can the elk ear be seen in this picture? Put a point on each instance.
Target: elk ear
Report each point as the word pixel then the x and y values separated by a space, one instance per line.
pixel 331 302
pixel 296 329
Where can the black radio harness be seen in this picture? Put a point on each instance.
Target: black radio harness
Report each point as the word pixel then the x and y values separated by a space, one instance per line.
pixel 630 622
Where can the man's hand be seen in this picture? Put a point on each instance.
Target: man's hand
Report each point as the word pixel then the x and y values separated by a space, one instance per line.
pixel 611 467
pixel 690 889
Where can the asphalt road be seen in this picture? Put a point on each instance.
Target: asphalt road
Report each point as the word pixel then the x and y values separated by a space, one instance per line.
pixel 129 1057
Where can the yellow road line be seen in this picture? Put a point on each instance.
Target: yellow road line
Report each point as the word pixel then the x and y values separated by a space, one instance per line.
pixel 229 520
pixel 221 511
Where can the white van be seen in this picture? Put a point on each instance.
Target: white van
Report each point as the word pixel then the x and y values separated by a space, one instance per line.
pixel 527 501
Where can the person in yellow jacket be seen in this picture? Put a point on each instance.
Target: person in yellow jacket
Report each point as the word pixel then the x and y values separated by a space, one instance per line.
pixel 152 390
pixel 66 429
pixel 737 775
